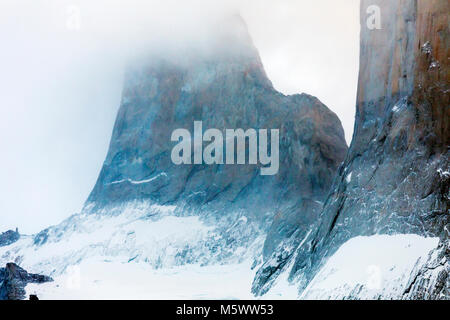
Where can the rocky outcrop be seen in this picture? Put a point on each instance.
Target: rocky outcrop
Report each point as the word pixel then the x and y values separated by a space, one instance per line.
pixel 395 178
pixel 432 280
pixel 14 279
pixel 9 237
pixel 225 87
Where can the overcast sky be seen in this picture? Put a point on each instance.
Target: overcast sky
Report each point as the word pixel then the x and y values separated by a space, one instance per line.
pixel 61 69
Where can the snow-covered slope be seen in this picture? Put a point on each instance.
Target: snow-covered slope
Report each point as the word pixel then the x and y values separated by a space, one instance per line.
pixel 145 252
pixel 143 237
pixel 376 267
pixel 146 233
pixel 106 278
pixel 149 252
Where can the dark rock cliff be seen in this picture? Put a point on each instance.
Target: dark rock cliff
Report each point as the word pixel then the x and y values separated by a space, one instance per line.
pixel 395 178
pixel 226 87
pixel 14 279
pixel 9 237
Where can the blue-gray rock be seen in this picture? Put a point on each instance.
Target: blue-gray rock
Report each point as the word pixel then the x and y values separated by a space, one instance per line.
pixel 395 178
pixel 225 87
pixel 14 279
pixel 9 237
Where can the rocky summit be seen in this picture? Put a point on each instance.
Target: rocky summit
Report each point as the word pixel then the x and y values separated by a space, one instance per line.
pixel 395 178
pixel 225 87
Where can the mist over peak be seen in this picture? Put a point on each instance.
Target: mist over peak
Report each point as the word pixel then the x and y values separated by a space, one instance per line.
pixel 63 64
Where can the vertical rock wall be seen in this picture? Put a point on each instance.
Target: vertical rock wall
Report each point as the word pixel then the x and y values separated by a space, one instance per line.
pixel 395 177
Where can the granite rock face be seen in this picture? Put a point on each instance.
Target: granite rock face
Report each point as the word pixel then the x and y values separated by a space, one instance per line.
pixel 225 87
pixel 432 280
pixel 14 279
pixel 395 178
pixel 9 237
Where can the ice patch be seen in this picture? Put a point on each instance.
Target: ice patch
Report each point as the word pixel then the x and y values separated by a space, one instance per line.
pixel 426 48
pixel 434 65
pixel 162 174
pixel 400 105
pixel 349 177
pixel 443 174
